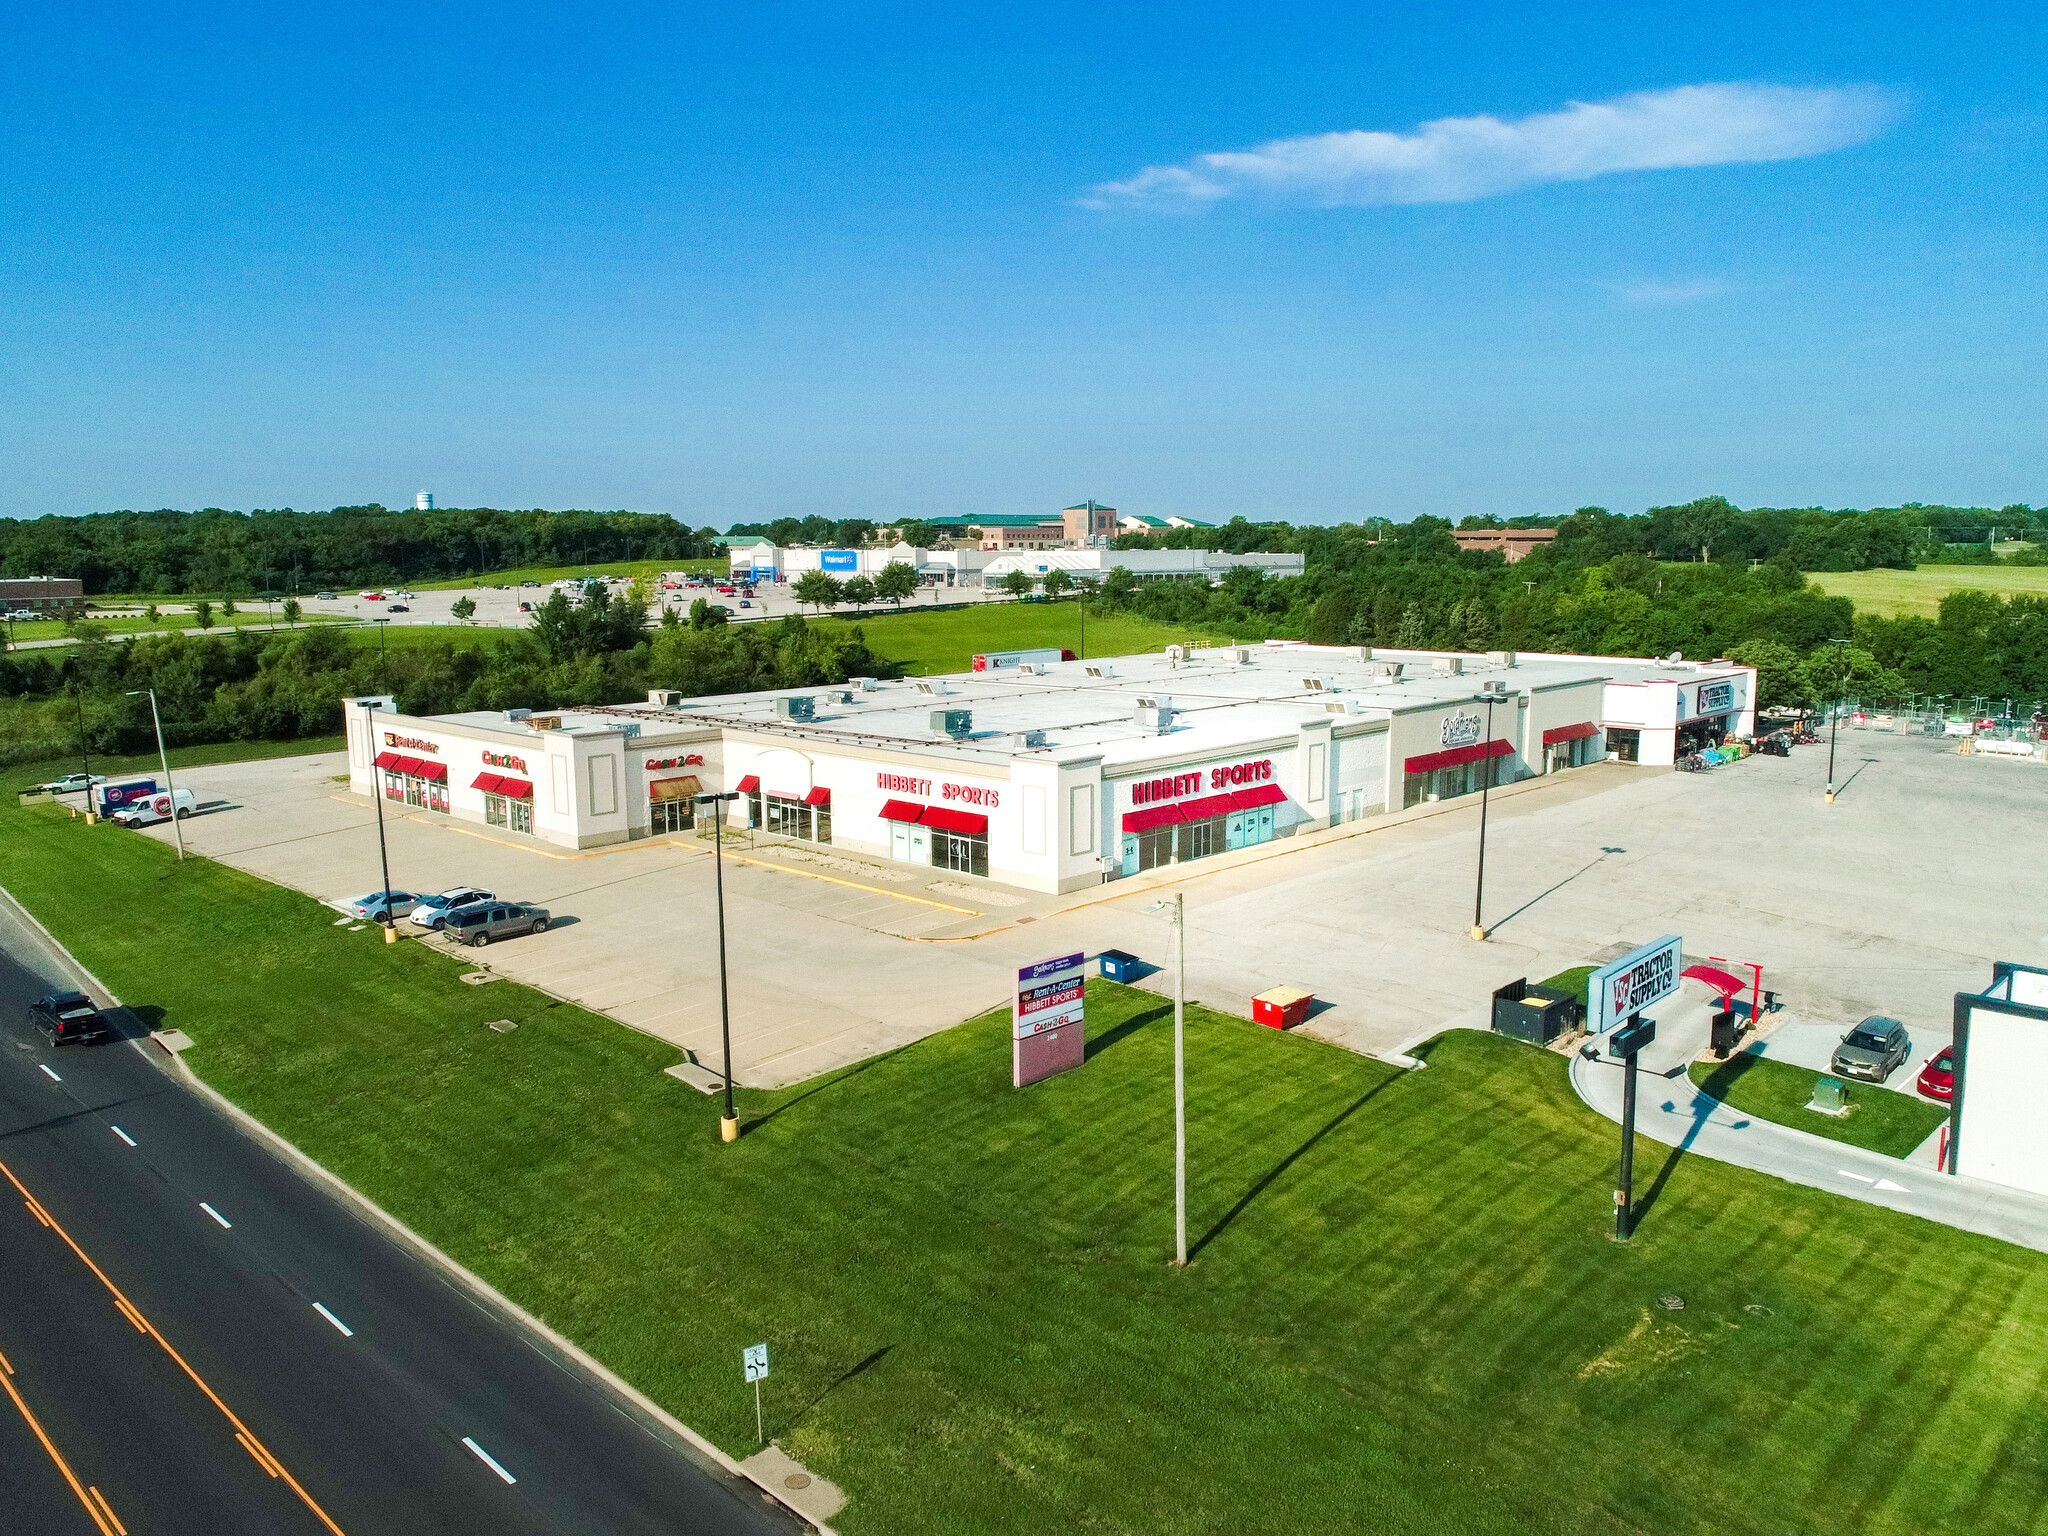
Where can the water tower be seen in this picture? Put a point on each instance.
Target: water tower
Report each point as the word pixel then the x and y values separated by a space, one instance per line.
pixel 423 502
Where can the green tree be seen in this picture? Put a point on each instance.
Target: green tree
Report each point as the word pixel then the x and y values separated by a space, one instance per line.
pixel 896 581
pixel 291 610
pixel 1017 584
pixel 917 534
pixel 151 614
pixel 463 608
pixel 817 589
pixel 857 590
pixel 227 607
pixel 1119 587
pixel 704 614
pixel 202 614
pixel 1057 581
pixel 1781 678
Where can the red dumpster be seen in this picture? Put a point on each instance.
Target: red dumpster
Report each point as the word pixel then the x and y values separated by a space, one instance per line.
pixel 1281 1007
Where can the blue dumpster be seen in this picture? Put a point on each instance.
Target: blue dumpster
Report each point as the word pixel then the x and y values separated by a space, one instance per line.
pixel 1119 966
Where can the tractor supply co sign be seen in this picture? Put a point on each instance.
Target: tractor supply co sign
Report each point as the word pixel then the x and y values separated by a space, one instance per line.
pixel 1046 1020
pixel 1634 982
pixel 1715 699
pixel 393 739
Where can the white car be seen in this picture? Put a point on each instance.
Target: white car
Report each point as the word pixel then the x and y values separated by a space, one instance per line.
pixel 73 783
pixel 431 912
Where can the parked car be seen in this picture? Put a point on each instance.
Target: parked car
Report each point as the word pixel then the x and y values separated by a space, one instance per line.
pixel 746 602
pixel 372 597
pixel 73 783
pixel 398 608
pixel 486 921
pixel 325 597
pixel 529 583
pixel 69 1018
pixel 526 607
pixel 147 810
pixel 432 912
pixel 1872 1050
pixel 371 908
pixel 22 615
pixel 1938 1077
pixel 720 608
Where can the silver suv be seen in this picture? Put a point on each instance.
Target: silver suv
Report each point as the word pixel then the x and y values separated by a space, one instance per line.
pixel 1872 1050
pixel 499 920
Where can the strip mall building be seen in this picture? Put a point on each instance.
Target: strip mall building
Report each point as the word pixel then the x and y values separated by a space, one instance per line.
pixel 1058 776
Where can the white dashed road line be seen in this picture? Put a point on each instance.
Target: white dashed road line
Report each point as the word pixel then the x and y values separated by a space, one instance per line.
pixel 346 1331
pixel 216 1215
pixel 488 1460
pixel 124 1135
pixel 52 1076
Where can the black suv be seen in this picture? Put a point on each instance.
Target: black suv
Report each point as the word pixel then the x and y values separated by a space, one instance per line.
pixel 69 1018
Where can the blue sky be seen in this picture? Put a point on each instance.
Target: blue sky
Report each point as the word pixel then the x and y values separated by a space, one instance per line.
pixel 882 260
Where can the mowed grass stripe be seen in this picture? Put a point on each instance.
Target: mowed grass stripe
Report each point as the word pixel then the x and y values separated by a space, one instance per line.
pixel 1393 1333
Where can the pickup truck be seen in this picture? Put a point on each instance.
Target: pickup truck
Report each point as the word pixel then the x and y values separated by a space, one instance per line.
pixel 69 1018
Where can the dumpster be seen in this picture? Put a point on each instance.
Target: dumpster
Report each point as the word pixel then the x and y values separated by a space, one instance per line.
pixel 1534 1013
pixel 1281 1007
pixel 1119 965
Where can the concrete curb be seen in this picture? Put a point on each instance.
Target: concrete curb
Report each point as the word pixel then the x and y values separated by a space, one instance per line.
pixel 480 1288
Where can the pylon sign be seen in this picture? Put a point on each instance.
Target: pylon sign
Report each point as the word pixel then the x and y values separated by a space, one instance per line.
pixel 1047 1034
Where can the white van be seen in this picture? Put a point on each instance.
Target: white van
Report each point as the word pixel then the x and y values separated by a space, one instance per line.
pixel 146 810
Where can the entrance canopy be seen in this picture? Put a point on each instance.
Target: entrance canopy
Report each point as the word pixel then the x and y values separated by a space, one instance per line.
pixel 1719 980
pixel 1202 809
pixel 1570 733
pixel 684 788
pixel 1429 762
pixel 946 819
pixel 902 810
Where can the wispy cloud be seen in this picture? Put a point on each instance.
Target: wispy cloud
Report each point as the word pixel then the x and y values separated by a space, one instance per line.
pixel 1457 159
pixel 1697 291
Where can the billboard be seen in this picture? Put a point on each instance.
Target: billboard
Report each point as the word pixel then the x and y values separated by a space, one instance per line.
pixel 1046 1029
pixel 842 562
pixel 1634 982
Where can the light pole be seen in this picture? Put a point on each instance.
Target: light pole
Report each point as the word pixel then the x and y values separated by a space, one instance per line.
pixel 1835 720
pixel 85 757
pixel 728 1123
pixel 377 797
pixel 177 816
pixel 1491 696
pixel 1180 1084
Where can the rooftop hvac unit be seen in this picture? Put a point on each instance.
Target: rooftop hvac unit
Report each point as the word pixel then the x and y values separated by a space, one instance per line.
pixel 1100 671
pixel 934 689
pixel 953 722
pixel 665 698
pixel 1505 658
pixel 1176 654
pixel 1027 739
pixel 1155 715
pixel 1241 654
pixel 1312 685
pixel 805 708
pixel 1451 664
pixel 514 716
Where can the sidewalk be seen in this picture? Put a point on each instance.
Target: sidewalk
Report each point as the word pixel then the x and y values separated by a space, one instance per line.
pixel 1673 1112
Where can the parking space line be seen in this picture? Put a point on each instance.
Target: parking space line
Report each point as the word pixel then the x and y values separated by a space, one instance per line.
pixel 216 1215
pixel 46 1068
pixel 488 1460
pixel 344 1329
pixel 124 1135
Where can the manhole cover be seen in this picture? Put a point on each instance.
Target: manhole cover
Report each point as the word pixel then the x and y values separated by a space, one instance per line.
pixel 797 1480
pixel 1671 1303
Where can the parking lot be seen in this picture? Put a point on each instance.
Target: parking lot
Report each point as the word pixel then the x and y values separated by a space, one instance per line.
pixel 1925 870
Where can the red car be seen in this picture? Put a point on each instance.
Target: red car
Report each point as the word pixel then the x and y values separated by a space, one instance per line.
pixel 1938 1077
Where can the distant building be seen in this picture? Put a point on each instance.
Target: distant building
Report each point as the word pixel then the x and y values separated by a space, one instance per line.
pixel 1512 542
pixel 1136 523
pixel 1089 523
pixel 423 502
pixel 54 595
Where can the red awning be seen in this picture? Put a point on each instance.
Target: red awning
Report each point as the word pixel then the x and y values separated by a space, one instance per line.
pixel 1718 979
pixel 1252 799
pixel 488 783
pixel 1570 733
pixel 1429 762
pixel 966 823
pixel 1152 816
pixel 1207 806
pixel 819 795
pixel 902 810
pixel 388 759
pixel 412 767
pixel 516 789
pixel 429 769
pixel 750 785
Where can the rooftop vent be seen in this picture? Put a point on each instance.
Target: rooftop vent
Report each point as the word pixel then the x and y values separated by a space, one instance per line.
pixel 864 684
pixel 1241 654
pixel 934 689
pixel 1449 664
pixel 1100 671
pixel 1505 658
pixel 1155 715
pixel 953 722
pixel 1027 739
pixel 805 708
pixel 664 698
pixel 514 716
pixel 1176 654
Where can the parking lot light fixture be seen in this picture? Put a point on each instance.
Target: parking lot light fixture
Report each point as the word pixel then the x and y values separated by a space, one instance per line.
pixel 729 1122
pixel 377 799
pixel 1835 718
pixel 1180 1087
pixel 1493 694
pixel 171 789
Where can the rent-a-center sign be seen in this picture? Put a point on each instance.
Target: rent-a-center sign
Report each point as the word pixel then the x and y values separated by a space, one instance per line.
pixel 1638 979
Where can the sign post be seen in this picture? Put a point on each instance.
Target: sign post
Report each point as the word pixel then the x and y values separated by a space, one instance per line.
pixel 1047 1036
pixel 754 1361
pixel 1620 990
pixel 1628 1040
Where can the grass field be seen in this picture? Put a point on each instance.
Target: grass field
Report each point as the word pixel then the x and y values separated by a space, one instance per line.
pixel 1882 1120
pixel 121 625
pixel 1888 594
pixel 547 573
pixel 949 641
pixel 1405 1312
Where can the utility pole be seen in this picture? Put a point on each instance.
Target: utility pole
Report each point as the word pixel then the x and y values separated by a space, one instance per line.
pixel 729 1122
pixel 1488 698
pixel 1835 721
pixel 177 816
pixel 84 756
pixel 377 796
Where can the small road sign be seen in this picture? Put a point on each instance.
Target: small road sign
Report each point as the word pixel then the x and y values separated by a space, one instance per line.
pixel 754 1359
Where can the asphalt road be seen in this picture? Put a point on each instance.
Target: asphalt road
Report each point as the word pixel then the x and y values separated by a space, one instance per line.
pixel 195 1338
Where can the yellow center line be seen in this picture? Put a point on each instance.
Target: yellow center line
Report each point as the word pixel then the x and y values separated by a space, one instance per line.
pixel 57 1456
pixel 119 1528
pixel 134 1314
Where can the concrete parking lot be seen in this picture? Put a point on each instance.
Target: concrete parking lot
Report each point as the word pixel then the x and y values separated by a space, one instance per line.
pixel 1926 869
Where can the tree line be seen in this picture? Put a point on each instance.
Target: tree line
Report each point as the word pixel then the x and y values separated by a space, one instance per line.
pixel 283 551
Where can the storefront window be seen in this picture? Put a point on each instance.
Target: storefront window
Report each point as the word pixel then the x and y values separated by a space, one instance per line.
pixel 522 815
pixel 671 816
pixel 754 809
pixel 1199 839
pixel 964 854
pixel 1625 744
pixel 394 786
pixel 1449 783
pixel 790 817
pixel 494 810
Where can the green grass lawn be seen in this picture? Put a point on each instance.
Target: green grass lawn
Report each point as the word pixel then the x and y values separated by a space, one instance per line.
pixel 403 636
pixel 547 573
pixel 949 641
pixel 1882 1120
pixel 119 625
pixel 1889 594
pixel 1405 1314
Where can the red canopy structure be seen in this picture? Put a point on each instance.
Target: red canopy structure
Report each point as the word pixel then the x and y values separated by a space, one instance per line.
pixel 1719 980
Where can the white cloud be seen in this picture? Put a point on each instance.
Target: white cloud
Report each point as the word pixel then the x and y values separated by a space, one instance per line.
pixel 1697 291
pixel 1456 159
